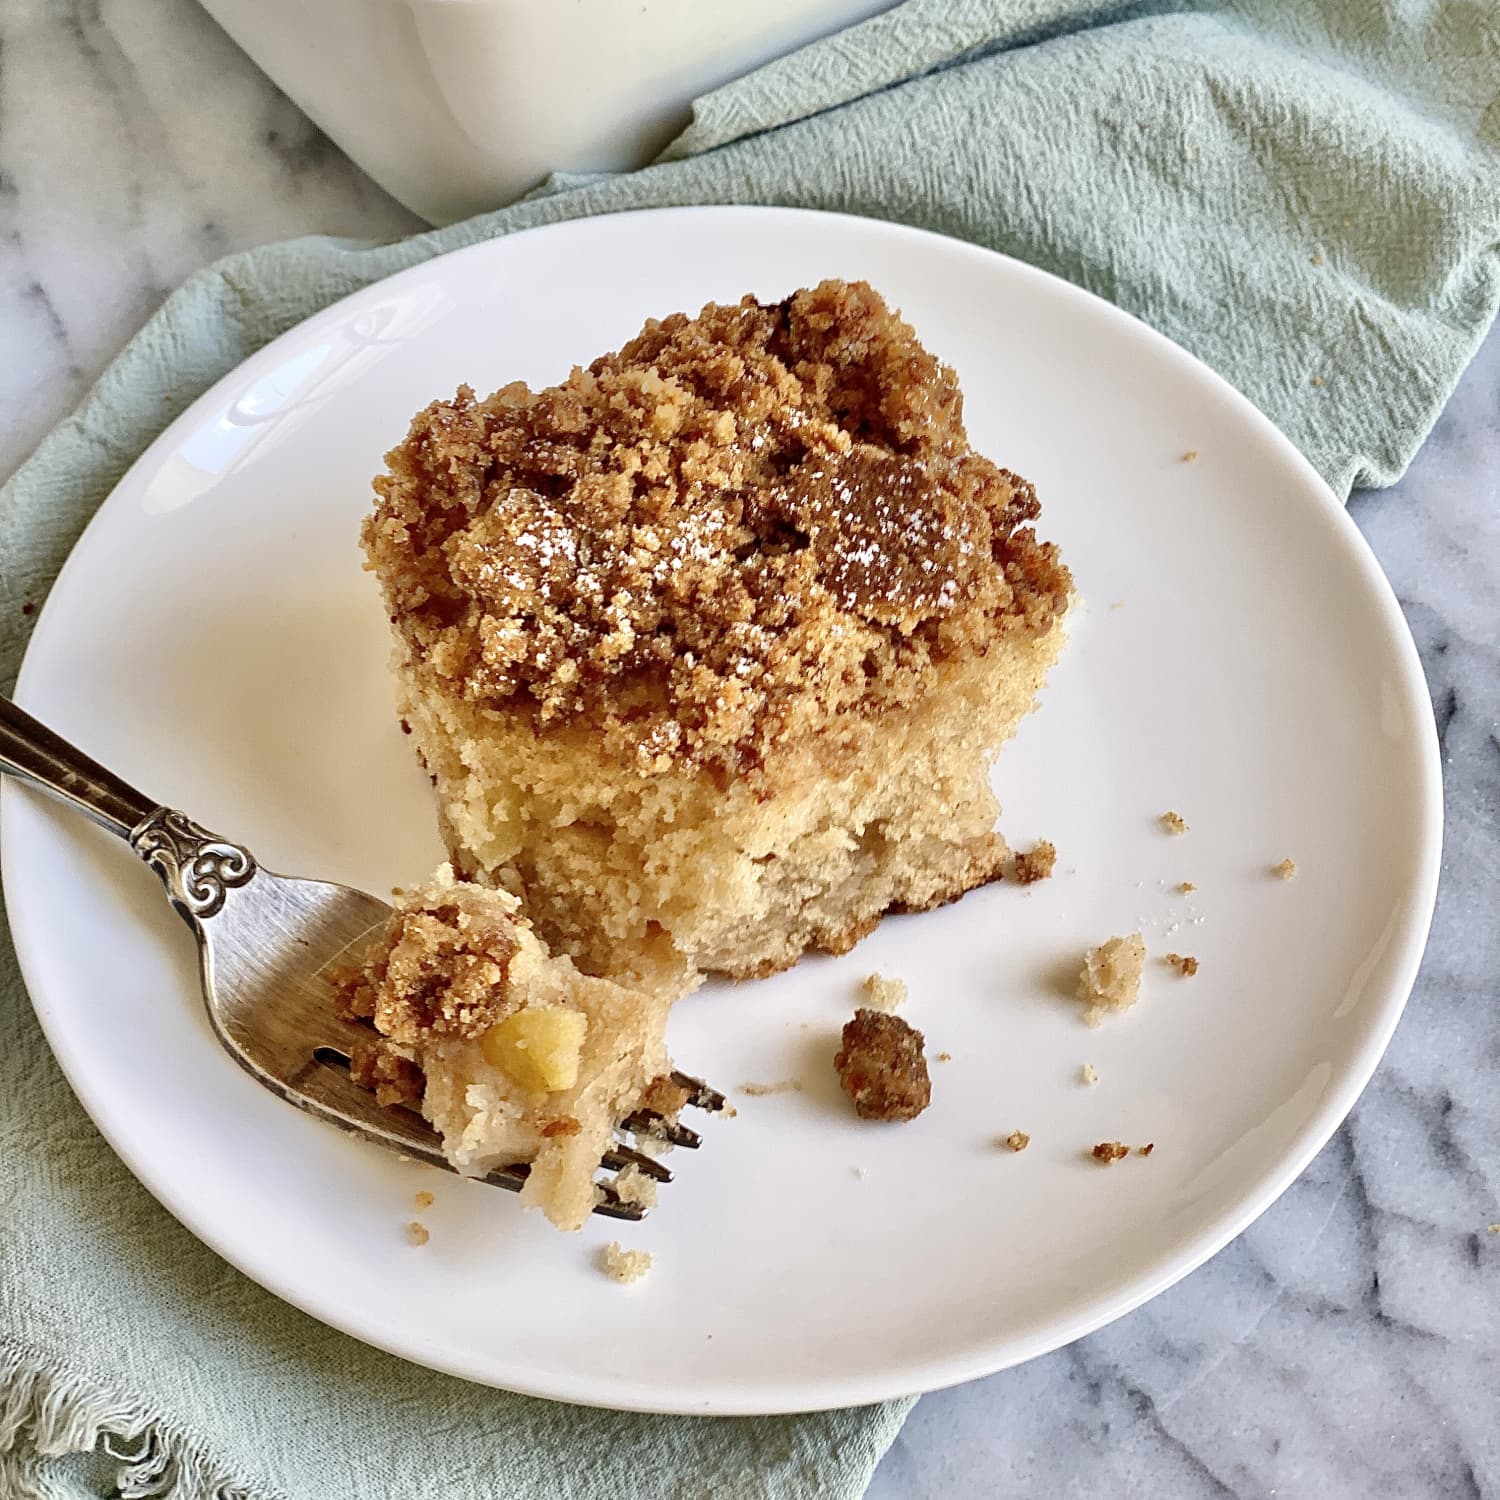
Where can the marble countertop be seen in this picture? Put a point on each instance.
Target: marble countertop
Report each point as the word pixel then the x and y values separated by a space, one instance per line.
pixel 1346 1346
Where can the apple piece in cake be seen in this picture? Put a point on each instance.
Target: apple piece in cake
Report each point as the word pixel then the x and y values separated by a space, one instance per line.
pixel 709 648
pixel 509 1052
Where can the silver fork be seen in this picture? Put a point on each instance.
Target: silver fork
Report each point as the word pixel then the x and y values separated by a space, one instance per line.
pixel 265 945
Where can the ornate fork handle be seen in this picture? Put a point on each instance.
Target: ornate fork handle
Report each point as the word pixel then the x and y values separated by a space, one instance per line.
pixel 196 867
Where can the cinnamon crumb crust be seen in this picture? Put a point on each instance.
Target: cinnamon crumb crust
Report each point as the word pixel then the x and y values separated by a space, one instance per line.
pixel 737 528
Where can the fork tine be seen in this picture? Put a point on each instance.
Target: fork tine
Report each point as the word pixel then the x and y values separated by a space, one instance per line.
pixel 658 1127
pixel 325 1089
pixel 608 1204
pixel 618 1157
pixel 699 1093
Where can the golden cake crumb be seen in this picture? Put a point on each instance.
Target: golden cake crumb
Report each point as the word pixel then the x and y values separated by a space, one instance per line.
pixel 944 1057
pixel 423 1199
pixel 418 1233
pixel 1109 1152
pixel 1111 976
pixel 634 1186
pixel 1184 963
pixel 1317 380
pixel 1317 260
pixel 1186 887
pixel 1285 870
pixel 624 1265
pixel 1173 822
pixel 1037 863
pixel 1190 456
pixel 759 1090
pixel 882 1068
pixel 1146 1150
pixel 1088 1074
pixel 882 993
pixel 1018 1140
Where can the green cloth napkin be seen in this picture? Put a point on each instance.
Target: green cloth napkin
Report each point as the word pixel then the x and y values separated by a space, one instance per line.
pixel 1307 195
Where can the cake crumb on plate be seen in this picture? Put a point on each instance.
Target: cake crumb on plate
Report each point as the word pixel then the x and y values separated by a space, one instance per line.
pixel 882 1067
pixel 1088 1075
pixel 1186 887
pixel 424 1199
pixel 624 1265
pixel 1109 1152
pixel 1111 976
pixel 418 1233
pixel 1190 456
pixel 1184 963
pixel 1018 1140
pixel 1174 822
pixel 1285 870
pixel 882 993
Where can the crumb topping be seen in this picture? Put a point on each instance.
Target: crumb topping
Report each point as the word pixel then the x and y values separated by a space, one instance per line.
pixel 713 540
pixel 1037 863
pixel 882 1067
pixel 441 969
pixel 392 1078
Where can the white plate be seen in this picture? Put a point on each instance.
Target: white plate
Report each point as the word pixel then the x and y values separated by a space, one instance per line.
pixel 1238 658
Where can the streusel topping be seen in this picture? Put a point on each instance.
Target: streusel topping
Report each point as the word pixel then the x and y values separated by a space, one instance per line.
pixel 715 539
pixel 442 970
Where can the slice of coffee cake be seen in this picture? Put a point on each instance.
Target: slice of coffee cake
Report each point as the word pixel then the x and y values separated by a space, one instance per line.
pixel 709 648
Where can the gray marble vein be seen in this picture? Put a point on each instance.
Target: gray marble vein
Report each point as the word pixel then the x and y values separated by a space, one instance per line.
pixel 1348 1345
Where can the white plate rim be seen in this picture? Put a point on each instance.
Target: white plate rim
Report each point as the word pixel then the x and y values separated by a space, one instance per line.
pixel 938 1373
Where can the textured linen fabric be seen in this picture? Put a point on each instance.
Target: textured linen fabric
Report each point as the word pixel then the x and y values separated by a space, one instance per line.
pixel 1306 193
